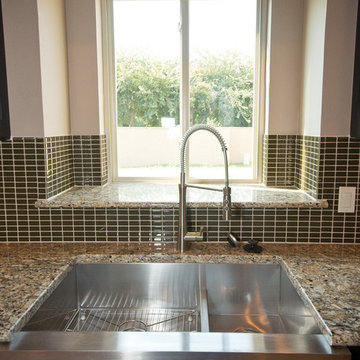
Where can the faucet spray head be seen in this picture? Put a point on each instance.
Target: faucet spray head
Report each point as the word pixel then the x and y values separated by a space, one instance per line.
pixel 227 203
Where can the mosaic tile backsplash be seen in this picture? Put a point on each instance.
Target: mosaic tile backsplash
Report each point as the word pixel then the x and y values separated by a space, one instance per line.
pixel 32 169
pixel 74 160
pixel 89 160
pixel 279 156
pixel 59 160
pixel 307 164
pixel 291 161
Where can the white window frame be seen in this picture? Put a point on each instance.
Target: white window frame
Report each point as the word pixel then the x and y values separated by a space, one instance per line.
pixel 109 78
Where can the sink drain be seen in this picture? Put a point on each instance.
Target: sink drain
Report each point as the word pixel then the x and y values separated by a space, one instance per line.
pixel 241 329
pixel 133 325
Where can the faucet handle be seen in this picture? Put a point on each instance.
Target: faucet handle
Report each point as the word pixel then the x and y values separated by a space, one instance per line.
pixel 195 236
pixel 227 203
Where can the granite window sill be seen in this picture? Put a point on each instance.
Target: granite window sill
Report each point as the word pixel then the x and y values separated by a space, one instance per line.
pixel 166 195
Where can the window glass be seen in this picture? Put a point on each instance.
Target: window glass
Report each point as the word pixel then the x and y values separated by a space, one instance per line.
pixel 222 63
pixel 222 39
pixel 147 49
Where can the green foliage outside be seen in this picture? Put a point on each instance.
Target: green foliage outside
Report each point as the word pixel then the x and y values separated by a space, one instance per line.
pixel 221 90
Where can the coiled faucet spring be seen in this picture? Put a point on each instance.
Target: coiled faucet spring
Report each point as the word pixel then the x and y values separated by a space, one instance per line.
pixel 183 235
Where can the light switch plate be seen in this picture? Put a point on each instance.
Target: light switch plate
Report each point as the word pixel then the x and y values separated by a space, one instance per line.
pixel 347 199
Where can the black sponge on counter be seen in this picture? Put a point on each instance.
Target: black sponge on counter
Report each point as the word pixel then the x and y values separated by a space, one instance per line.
pixel 253 247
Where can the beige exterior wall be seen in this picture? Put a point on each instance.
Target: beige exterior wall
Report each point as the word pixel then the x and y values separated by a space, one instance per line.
pixel 139 146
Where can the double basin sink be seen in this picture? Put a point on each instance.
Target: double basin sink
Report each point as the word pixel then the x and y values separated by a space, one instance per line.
pixel 148 311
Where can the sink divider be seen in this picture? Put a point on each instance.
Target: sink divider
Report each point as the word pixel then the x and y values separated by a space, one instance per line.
pixel 204 310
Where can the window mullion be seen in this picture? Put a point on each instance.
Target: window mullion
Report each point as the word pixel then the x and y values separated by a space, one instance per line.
pixel 184 74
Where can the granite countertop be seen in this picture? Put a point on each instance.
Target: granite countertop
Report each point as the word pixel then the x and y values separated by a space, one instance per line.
pixel 329 275
pixel 150 195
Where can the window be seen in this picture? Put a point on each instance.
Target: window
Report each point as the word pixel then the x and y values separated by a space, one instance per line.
pixel 180 63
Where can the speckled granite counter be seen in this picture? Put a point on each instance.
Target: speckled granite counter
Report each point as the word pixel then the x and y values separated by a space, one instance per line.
pixel 329 274
pixel 149 195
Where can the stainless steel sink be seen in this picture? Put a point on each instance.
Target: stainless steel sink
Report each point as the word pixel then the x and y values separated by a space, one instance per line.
pixel 123 297
pixel 191 309
pixel 256 298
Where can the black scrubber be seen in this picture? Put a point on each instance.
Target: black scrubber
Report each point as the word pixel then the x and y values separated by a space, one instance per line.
pixel 253 247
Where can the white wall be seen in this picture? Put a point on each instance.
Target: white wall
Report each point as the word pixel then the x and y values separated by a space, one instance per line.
pixel 310 67
pixel 328 63
pixel 284 56
pixel 37 70
pixel 21 32
pixel 36 60
pixel 339 53
pixel 54 74
pixel 313 62
pixel 100 66
pixel 85 79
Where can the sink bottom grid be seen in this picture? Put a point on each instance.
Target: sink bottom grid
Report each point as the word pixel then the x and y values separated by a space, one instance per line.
pixel 95 319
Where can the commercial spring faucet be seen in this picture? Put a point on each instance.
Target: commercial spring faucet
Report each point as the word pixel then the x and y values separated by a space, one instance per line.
pixel 183 234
